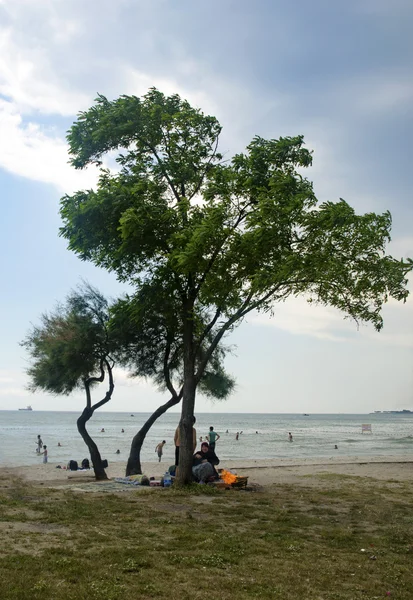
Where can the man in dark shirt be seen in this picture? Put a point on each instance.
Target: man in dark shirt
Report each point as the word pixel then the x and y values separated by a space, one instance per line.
pixel 203 464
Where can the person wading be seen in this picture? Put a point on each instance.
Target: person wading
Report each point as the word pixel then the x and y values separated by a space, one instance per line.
pixel 212 438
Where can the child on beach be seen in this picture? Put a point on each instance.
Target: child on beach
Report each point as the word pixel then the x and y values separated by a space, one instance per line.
pixel 159 449
pixel 44 454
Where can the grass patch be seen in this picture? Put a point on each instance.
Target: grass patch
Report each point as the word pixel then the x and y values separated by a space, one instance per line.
pixel 294 544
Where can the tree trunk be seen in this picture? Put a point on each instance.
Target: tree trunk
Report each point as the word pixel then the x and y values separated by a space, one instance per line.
pixel 100 472
pixel 186 424
pixel 133 466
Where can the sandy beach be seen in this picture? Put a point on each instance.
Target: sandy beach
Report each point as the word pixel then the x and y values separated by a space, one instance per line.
pixel 264 473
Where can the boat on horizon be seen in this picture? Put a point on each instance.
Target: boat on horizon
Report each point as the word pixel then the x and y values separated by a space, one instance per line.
pixel 405 411
pixel 27 408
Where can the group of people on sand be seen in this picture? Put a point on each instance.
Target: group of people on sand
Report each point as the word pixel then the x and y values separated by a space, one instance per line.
pixel 204 460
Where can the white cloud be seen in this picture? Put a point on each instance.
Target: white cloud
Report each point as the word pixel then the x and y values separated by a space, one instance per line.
pixel 401 247
pixel 299 317
pixel 122 379
pixel 28 150
pixel 137 83
pixel 5 378
pixel 30 81
pixel 12 385
pixel 14 391
pixel 368 96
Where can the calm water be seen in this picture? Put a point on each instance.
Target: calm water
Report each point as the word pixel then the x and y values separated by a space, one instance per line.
pixel 314 436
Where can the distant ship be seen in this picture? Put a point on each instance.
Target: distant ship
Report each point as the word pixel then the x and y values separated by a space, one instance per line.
pixel 27 408
pixel 393 412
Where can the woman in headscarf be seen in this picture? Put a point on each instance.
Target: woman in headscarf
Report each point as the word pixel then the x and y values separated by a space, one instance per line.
pixel 203 464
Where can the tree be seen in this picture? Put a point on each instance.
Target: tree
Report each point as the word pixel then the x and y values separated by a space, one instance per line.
pixel 71 349
pixel 228 237
pixel 146 333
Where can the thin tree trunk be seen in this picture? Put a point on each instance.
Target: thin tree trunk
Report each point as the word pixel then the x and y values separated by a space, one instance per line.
pixel 87 413
pixel 186 424
pixel 133 466
pixel 100 472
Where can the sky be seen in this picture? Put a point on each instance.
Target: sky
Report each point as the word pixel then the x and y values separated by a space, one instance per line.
pixel 340 73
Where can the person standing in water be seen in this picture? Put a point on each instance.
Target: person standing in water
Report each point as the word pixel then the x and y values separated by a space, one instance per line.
pixel 212 438
pixel 237 436
pixel 39 444
pixel 159 449
pixel 290 436
pixel 45 455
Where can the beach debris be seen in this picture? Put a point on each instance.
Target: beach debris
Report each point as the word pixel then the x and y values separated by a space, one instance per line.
pixel 373 557
pixel 363 550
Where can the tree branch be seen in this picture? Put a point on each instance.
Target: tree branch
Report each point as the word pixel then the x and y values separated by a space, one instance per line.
pixel 99 379
pixel 239 314
pixel 216 252
pixel 166 370
pixel 160 163
pixel 201 179
pixel 208 328
pixel 109 393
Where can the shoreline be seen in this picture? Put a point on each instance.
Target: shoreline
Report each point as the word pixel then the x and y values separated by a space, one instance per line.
pixel 261 472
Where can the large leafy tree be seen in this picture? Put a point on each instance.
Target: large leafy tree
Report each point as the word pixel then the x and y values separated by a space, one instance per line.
pixel 72 349
pixel 227 237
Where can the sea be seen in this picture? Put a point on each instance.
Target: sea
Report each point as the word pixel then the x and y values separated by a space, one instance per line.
pixel 261 436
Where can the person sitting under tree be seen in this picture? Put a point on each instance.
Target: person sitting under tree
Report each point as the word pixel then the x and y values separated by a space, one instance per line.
pixel 203 464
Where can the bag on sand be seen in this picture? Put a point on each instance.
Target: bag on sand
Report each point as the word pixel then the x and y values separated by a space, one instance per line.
pixel 85 463
pixel 73 465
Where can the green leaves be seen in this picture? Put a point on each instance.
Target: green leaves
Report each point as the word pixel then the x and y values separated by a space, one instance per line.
pixel 223 238
pixel 70 344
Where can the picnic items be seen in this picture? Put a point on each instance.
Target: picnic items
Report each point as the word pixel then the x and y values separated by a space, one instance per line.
pixel 227 479
pixel 133 480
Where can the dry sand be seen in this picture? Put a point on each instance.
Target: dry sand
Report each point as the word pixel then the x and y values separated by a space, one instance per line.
pixel 265 473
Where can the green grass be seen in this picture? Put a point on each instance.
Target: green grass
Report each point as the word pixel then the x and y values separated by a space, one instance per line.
pixel 288 543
